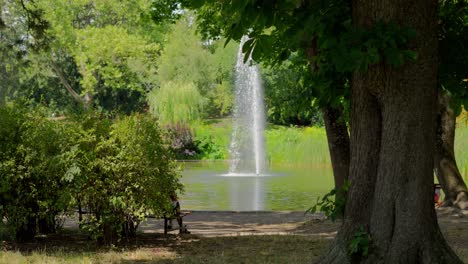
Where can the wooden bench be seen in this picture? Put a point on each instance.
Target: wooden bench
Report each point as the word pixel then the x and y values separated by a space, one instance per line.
pixel 167 218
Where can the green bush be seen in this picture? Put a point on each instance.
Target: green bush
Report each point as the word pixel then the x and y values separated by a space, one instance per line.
pixel 208 149
pixel 33 186
pixel 119 171
pixel 125 173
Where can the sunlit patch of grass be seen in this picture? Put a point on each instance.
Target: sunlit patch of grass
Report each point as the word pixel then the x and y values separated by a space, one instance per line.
pixel 293 145
pixel 461 148
pixel 237 249
pixel 307 145
pixel 140 255
pixel 284 145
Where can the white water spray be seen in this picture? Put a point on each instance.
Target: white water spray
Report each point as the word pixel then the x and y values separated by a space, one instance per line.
pixel 248 143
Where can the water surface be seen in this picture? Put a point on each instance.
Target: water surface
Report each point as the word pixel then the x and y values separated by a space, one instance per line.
pixel 207 187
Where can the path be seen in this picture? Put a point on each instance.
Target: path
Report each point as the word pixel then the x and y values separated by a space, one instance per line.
pixel 225 223
pixel 229 223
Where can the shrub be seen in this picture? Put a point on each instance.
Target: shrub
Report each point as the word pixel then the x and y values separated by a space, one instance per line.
pixel 126 173
pixel 208 149
pixel 181 141
pixel 118 171
pixel 333 203
pixel 33 189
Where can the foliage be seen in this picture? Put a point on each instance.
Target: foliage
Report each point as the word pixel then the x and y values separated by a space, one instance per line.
pixel 105 68
pixel 453 57
pixel 181 141
pixel 176 102
pixel 216 131
pixel 125 173
pixel 208 149
pixel 333 203
pixel 105 50
pixel 119 171
pixel 187 59
pixel 186 145
pixel 34 187
pixel 320 33
pixel 359 245
pixel 288 97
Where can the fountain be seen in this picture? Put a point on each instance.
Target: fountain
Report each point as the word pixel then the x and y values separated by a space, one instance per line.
pixel 247 144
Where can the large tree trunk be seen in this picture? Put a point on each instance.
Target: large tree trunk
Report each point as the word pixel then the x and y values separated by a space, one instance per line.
pixel 445 165
pixel 338 143
pixel 392 146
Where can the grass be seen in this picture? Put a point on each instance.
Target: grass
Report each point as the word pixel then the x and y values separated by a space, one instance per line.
pixel 307 145
pixel 284 145
pixel 73 247
pixel 238 249
pixel 461 148
pixel 298 146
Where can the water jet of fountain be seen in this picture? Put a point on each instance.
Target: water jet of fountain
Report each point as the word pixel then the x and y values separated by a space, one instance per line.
pixel 248 144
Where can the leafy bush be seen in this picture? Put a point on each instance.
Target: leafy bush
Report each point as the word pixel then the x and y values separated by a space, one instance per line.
pixel 125 173
pixel 119 171
pixel 181 141
pixel 208 149
pixel 333 203
pixel 33 186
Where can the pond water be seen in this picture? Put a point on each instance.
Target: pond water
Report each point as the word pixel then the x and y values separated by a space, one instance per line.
pixel 284 188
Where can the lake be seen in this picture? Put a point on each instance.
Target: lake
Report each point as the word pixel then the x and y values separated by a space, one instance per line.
pixel 286 188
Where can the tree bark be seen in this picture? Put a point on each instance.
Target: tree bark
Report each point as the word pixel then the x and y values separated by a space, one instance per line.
pixel 338 143
pixel 392 146
pixel 445 165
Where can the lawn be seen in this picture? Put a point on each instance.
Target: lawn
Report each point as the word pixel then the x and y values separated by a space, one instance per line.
pixel 304 244
pixel 151 248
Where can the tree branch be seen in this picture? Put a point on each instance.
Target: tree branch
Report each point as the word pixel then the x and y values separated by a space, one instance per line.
pixel 65 83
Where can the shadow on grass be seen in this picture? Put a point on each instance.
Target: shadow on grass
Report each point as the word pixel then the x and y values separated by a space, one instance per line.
pixel 70 246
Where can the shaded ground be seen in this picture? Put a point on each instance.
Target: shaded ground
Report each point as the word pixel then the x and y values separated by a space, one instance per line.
pixel 217 237
pixel 228 223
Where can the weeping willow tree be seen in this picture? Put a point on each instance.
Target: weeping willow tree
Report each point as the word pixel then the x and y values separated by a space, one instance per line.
pixel 176 102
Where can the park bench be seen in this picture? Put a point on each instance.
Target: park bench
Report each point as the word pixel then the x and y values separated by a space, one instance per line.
pixel 170 217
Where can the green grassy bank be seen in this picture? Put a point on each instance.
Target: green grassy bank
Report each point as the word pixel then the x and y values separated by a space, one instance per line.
pixel 461 148
pixel 305 146
pixel 284 145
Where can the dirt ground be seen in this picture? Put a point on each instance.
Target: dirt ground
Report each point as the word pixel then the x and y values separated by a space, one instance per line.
pixel 453 223
pixel 228 223
pixel 212 224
